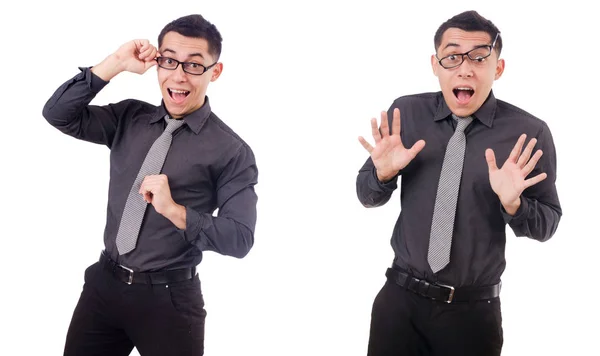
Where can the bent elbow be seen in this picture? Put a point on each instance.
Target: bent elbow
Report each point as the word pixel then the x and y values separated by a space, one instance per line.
pixel 246 242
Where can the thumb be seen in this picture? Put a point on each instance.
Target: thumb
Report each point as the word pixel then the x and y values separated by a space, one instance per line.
pixel 416 148
pixel 491 160
pixel 149 64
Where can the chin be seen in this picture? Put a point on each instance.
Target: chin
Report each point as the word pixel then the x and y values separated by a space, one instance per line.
pixel 463 112
pixel 174 111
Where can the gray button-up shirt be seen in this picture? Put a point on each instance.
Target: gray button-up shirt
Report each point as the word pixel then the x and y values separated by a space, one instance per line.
pixel 208 167
pixel 477 254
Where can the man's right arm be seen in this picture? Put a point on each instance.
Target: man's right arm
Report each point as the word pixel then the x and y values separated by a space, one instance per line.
pixel 69 111
pixel 370 190
pixel 378 177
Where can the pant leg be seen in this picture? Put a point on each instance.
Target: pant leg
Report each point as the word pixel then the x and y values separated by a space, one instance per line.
pixel 167 319
pixel 466 329
pixel 393 331
pixel 92 331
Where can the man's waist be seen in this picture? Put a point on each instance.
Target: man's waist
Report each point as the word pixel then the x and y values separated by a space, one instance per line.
pixel 129 276
pixel 441 291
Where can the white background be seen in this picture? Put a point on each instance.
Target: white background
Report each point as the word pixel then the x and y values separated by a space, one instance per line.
pixel 301 81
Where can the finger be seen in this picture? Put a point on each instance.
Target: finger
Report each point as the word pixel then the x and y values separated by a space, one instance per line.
pixel 148 197
pixel 526 153
pixel 365 144
pixel 148 52
pixel 153 54
pixel 385 126
pixel 155 179
pixel 139 45
pixel 514 154
pixel 146 194
pixel 143 44
pixel 144 53
pixel 490 157
pixel 528 168
pixel 396 122
pixel 151 50
pixel 375 131
pixel 145 186
pixel 416 148
pixel 149 190
pixel 535 180
pixel 149 178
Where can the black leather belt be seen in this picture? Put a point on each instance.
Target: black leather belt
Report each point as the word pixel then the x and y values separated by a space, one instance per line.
pixel 128 276
pixel 442 292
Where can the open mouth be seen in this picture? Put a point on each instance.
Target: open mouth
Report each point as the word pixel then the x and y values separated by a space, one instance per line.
pixel 463 94
pixel 178 95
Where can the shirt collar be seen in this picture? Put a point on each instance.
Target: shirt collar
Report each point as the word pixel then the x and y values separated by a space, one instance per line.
pixel 485 114
pixel 195 120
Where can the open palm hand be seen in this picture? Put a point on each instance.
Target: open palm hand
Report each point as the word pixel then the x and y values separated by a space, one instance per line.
pixel 389 154
pixel 509 181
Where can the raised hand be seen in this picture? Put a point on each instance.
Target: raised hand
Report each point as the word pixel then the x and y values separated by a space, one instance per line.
pixel 135 56
pixel 509 181
pixel 389 154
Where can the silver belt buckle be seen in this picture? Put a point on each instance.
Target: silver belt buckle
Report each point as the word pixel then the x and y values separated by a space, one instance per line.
pixel 451 296
pixel 130 278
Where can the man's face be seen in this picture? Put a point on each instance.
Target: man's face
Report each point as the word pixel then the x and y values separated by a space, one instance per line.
pixel 183 92
pixel 466 87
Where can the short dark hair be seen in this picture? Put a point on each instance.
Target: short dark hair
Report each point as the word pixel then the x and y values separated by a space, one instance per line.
pixel 469 21
pixel 198 27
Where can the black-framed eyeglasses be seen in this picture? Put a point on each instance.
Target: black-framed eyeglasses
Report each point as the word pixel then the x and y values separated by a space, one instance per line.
pixel 477 55
pixel 188 67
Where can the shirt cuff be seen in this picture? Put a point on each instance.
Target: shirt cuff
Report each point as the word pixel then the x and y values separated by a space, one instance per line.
pixel 193 225
pixel 520 214
pixel 379 186
pixel 94 82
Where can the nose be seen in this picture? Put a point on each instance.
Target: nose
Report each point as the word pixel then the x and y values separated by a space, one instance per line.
pixel 465 70
pixel 178 74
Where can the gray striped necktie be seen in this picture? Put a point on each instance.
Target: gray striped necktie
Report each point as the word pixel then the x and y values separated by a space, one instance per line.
pixel 442 224
pixel 135 207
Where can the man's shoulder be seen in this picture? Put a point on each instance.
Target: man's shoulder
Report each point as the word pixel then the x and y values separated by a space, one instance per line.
pixel 419 99
pixel 511 112
pixel 137 105
pixel 134 110
pixel 225 132
pixel 422 102
pixel 418 105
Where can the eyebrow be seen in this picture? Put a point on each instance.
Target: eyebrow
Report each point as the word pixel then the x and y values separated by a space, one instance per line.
pixel 451 44
pixel 197 54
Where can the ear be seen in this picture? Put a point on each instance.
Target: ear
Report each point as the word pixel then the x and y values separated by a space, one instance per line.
pixel 216 72
pixel 499 69
pixel 434 65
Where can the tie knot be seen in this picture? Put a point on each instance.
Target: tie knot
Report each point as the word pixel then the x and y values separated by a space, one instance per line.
pixel 172 124
pixel 462 122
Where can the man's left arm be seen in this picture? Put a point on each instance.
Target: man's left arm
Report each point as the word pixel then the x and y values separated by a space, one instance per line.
pixel 539 212
pixel 230 233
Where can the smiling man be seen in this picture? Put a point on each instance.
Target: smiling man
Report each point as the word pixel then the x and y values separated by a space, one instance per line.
pixel 442 291
pixel 171 167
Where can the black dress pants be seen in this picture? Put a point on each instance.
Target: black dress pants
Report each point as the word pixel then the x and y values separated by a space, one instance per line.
pixel 112 317
pixel 404 323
